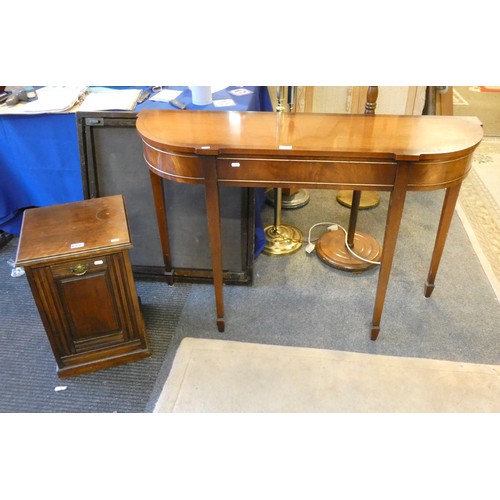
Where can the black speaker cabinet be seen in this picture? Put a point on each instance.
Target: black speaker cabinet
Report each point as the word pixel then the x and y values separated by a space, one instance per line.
pixel 112 163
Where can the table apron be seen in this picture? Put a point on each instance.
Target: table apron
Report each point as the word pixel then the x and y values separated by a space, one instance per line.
pixel 185 168
pixel 369 175
pixel 431 175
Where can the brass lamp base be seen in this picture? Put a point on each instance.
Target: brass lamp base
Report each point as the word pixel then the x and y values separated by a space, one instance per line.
pixel 369 199
pixel 282 239
pixel 331 249
pixel 296 200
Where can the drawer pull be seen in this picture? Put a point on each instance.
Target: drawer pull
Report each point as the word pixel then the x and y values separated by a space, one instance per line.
pixel 79 269
pixel 235 164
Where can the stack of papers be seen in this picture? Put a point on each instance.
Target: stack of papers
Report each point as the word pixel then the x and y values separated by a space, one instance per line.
pixel 67 99
pixel 50 100
pixel 166 95
pixel 105 99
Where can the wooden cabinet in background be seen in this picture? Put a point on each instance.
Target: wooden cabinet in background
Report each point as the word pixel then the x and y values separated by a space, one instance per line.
pixel 76 260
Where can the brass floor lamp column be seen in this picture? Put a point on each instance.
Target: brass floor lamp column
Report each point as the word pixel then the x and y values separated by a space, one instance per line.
pixel 290 199
pixel 281 239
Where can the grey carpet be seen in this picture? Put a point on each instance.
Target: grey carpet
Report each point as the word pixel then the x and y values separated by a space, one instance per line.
pixel 28 378
pixel 296 300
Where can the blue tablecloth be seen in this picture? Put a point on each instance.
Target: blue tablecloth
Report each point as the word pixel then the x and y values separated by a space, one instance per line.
pixel 40 161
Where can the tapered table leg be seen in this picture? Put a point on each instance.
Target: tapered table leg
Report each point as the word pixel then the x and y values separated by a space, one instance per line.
pixel 214 233
pixel 394 214
pixel 161 216
pixel 449 203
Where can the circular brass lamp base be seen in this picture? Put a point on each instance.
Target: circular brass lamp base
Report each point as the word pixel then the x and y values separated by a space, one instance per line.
pixel 369 199
pixel 282 240
pixel 331 249
pixel 296 200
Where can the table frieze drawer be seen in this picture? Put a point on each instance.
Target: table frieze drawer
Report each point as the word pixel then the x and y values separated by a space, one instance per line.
pixel 304 172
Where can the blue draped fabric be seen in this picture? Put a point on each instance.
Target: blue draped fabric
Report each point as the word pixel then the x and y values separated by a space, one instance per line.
pixel 40 159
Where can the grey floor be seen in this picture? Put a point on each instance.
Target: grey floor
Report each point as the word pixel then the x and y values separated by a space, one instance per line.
pixel 29 381
pixel 297 300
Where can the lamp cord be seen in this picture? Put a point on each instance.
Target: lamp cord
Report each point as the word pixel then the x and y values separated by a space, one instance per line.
pixel 332 226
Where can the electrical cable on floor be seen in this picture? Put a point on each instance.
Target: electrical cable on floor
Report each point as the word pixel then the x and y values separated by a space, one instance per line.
pixel 332 226
pixel 310 245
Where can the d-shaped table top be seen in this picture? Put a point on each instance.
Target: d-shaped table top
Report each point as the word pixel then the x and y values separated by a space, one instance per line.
pixel 394 137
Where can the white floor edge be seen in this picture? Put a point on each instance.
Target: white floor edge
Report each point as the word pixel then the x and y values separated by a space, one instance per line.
pixel 495 284
pixel 218 376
